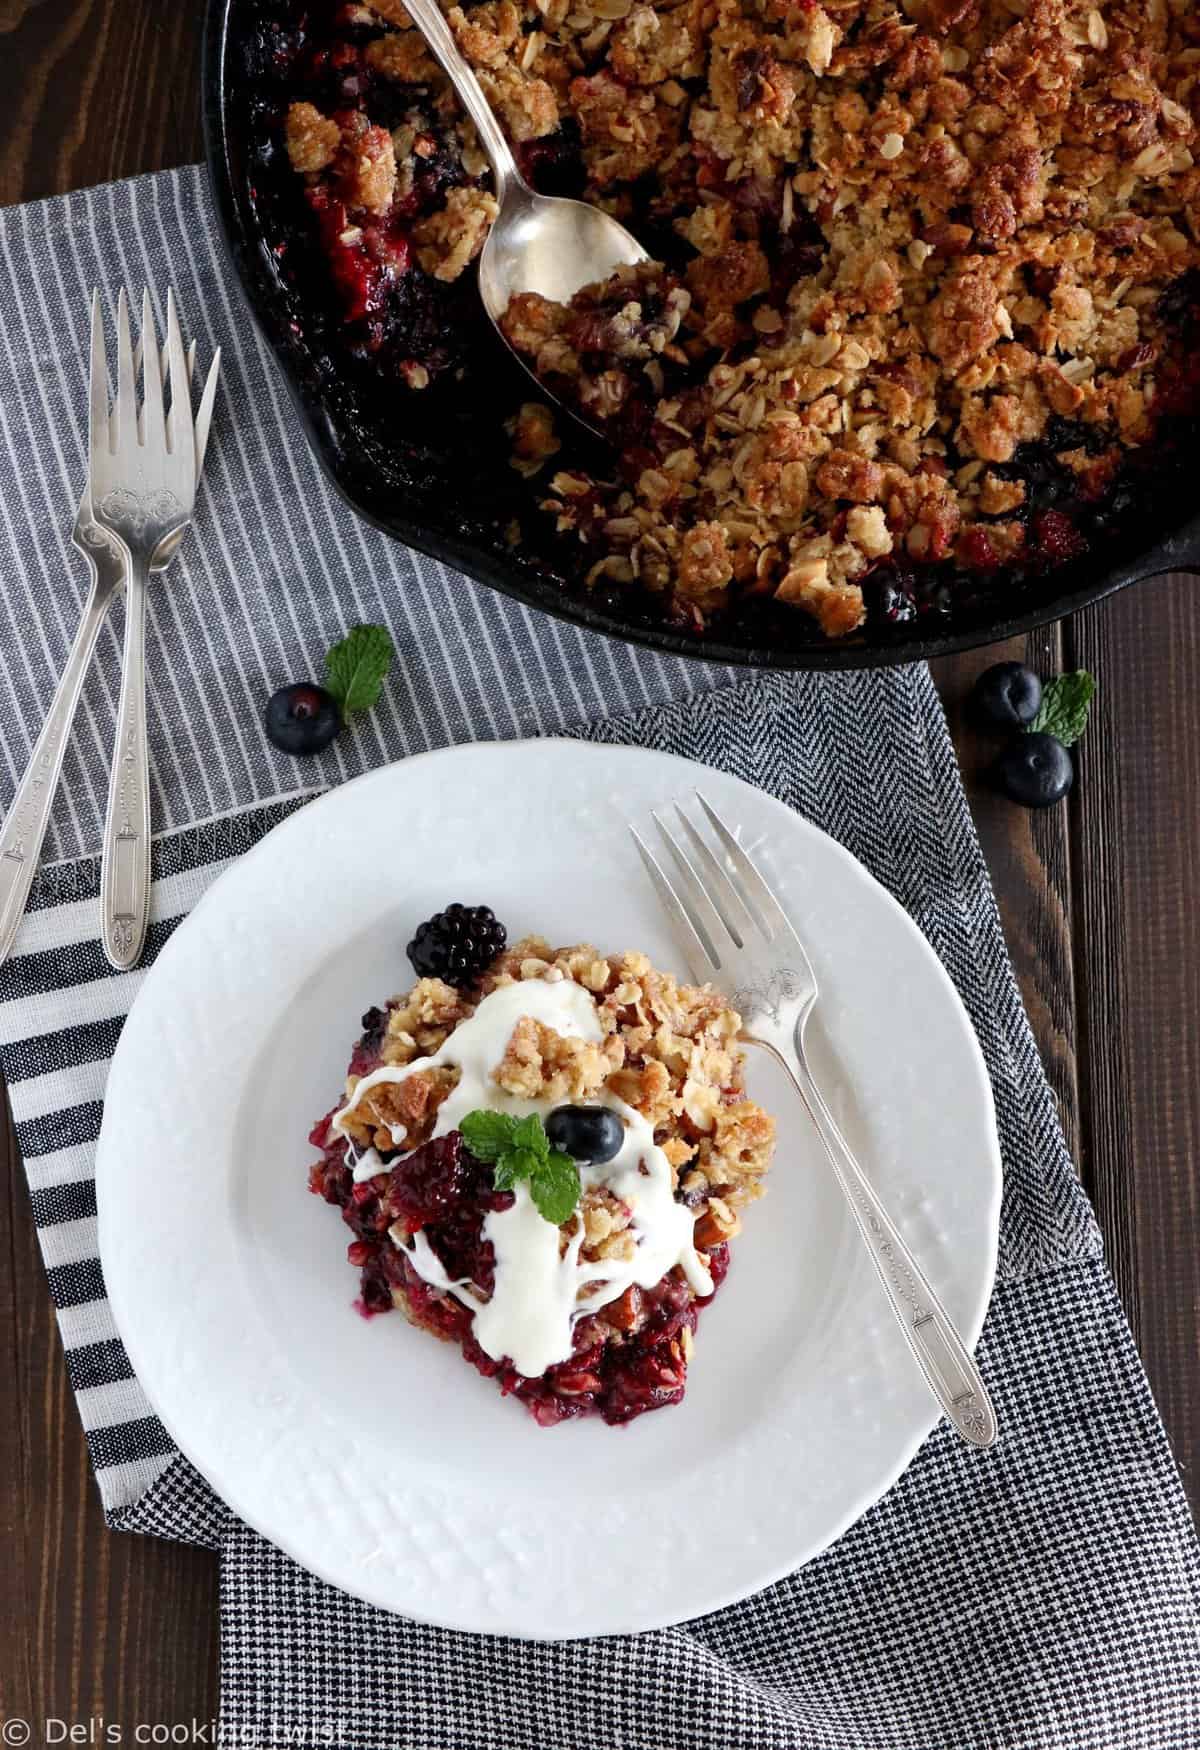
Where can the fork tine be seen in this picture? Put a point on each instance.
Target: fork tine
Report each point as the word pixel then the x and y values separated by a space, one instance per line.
pixel 711 922
pixel 99 433
pixel 700 963
pixel 127 400
pixel 204 416
pixel 164 362
pixel 182 438
pixel 747 869
pixel 723 885
pixel 152 426
pixel 137 371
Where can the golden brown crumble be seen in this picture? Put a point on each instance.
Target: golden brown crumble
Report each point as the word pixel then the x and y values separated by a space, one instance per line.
pixel 403 56
pixel 449 240
pixel 487 32
pixel 540 1064
pixel 606 1227
pixel 421 1021
pixel 911 235
pixel 1002 191
pixel 534 439
pixel 392 12
pixel 527 105
pixel 399 1114
pixel 312 140
pixel 670 1050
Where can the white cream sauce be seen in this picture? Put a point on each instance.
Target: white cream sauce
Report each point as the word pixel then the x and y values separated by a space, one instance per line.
pixel 538 1296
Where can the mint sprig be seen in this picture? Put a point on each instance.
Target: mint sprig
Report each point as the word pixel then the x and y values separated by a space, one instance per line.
pixel 356 668
pixel 518 1149
pixel 554 1187
pixel 487 1134
pixel 1064 709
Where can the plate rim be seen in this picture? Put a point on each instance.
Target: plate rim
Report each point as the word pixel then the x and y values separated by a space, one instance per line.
pixel 864 1500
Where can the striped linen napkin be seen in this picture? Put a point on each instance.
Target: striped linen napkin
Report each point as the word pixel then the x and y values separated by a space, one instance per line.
pixel 1047 1594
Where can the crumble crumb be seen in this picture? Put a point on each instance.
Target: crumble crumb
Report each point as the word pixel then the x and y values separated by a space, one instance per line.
pixel 534 439
pixel 403 56
pixel 399 1113
pixel 312 139
pixel 449 240
pixel 369 179
pixel 392 12
pixel 540 1064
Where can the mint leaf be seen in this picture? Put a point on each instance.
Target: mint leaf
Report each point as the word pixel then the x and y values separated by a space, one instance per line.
pixel 355 668
pixel 1064 708
pixel 504 1173
pixel 518 1163
pixel 518 1148
pixel 488 1135
pixel 554 1187
pixel 530 1134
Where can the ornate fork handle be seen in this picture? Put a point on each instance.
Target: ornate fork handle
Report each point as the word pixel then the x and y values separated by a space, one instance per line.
pixel 125 859
pixel 948 1367
pixel 145 523
pixel 25 824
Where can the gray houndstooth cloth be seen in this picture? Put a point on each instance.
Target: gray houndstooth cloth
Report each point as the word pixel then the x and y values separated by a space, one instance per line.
pixel 1046 1594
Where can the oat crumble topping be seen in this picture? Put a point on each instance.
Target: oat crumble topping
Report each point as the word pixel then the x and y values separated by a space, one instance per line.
pixel 670 1050
pixel 904 246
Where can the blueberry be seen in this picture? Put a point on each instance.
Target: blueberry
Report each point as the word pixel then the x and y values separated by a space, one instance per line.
pixel 302 719
pixel 1035 770
pixel 1006 696
pixel 587 1133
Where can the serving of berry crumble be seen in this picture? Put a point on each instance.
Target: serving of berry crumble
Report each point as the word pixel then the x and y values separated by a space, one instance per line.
pixel 923 314
pixel 544 1162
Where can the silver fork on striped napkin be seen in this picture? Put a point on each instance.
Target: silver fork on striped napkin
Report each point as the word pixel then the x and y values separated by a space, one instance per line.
pixel 728 922
pixel 24 827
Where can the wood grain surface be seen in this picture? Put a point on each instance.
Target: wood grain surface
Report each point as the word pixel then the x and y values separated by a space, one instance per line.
pixel 1098 899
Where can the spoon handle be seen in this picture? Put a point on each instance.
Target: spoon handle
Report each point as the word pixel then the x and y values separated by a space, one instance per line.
pixel 429 19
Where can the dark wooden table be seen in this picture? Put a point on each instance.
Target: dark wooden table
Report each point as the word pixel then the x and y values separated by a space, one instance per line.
pixel 1098 899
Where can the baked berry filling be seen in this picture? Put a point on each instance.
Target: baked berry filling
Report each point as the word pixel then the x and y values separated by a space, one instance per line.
pixel 630 1357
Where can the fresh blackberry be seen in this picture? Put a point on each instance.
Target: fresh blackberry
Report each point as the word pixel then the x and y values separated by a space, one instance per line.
pixel 457 944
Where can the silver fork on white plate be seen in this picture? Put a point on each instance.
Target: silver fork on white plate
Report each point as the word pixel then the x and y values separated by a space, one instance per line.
pixel 24 829
pixel 730 926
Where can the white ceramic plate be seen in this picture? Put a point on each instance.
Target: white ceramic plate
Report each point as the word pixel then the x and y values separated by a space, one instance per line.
pixel 373 1454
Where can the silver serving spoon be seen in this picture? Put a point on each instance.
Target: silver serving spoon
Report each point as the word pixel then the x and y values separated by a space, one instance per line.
pixel 538 243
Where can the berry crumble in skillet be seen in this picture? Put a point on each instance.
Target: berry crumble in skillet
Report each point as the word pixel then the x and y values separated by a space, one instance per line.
pixel 927 292
pixel 544 1163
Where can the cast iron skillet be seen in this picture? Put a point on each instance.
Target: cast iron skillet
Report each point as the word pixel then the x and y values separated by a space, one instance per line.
pixel 432 469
